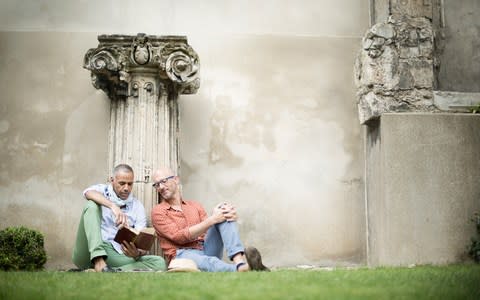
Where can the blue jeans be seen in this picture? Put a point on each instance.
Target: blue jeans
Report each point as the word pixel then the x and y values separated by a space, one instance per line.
pixel 210 258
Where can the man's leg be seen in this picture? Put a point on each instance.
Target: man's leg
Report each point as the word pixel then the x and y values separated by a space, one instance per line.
pixel 89 243
pixel 220 235
pixel 213 245
pixel 226 234
pixel 205 262
pixel 146 262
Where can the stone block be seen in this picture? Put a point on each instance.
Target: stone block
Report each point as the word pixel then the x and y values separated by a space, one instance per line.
pixel 456 101
pixel 422 173
pixel 414 8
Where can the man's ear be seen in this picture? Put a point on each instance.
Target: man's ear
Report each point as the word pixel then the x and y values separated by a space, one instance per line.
pixel 111 179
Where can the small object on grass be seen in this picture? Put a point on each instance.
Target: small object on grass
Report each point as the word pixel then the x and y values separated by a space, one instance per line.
pixel 182 265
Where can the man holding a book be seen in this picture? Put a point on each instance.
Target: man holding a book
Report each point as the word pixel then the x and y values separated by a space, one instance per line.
pixel 185 231
pixel 111 207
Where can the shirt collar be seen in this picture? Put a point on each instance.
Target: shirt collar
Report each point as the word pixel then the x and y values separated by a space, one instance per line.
pixel 168 206
pixel 112 196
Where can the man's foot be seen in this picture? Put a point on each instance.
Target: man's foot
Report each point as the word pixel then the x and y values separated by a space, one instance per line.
pixel 99 263
pixel 90 270
pixel 107 269
pixel 254 259
pixel 242 267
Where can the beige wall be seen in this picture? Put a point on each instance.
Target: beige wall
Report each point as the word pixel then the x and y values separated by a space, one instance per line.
pixel 190 17
pixel 273 128
pixel 53 134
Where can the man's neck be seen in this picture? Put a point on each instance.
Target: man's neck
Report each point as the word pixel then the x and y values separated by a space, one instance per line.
pixel 176 200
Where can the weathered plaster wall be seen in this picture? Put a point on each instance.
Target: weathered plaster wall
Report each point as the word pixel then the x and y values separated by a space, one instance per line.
pixel 190 17
pixel 53 133
pixel 273 128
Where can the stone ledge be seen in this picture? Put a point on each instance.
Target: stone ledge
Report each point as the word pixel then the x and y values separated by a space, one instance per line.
pixel 455 101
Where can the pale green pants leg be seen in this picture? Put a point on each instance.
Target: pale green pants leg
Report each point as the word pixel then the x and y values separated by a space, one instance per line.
pixel 146 262
pixel 89 243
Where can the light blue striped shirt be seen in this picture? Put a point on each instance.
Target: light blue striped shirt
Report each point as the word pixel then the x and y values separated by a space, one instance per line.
pixel 134 210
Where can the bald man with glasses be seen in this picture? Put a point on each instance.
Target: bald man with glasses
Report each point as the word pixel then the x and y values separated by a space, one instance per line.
pixel 186 231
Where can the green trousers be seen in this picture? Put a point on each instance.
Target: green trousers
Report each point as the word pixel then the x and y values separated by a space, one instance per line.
pixel 89 244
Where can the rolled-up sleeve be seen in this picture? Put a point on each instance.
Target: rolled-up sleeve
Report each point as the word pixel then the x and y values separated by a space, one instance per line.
pixel 141 218
pixel 97 187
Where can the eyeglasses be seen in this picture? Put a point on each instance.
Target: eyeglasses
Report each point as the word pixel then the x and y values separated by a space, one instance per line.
pixel 163 181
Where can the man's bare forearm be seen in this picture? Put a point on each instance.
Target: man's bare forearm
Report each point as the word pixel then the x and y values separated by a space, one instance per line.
pixel 98 198
pixel 200 228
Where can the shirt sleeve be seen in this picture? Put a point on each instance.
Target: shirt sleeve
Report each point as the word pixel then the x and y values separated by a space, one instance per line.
pixel 97 187
pixel 141 218
pixel 202 213
pixel 168 228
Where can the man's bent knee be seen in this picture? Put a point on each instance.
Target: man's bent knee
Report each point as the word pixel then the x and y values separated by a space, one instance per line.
pixel 91 205
pixel 157 263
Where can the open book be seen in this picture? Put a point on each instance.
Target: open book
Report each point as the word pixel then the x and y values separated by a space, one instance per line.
pixel 142 240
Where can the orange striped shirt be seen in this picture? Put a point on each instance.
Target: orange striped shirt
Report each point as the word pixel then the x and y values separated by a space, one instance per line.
pixel 172 225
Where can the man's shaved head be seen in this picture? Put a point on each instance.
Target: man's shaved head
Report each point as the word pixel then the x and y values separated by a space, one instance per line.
pixel 163 172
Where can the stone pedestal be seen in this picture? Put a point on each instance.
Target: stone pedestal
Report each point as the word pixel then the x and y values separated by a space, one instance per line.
pixel 143 76
pixel 422 187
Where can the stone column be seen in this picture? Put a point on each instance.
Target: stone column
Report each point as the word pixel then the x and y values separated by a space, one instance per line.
pixel 143 76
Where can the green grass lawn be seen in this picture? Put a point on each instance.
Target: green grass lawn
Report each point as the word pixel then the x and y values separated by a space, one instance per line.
pixel 426 282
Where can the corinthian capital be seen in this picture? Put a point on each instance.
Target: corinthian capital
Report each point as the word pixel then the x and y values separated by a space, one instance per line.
pixel 168 58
